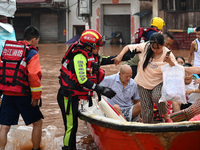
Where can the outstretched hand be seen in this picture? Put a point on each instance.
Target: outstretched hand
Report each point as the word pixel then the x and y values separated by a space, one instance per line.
pixel 197 81
pixel 117 60
pixel 168 60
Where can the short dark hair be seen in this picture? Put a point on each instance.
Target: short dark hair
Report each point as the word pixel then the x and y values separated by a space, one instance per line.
pixel 181 57
pixel 169 35
pixel 197 28
pixel 157 38
pixel 187 65
pixel 31 32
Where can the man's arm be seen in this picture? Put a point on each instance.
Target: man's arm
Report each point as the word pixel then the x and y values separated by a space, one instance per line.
pixel 110 59
pixel 193 70
pixel 132 48
pixel 34 77
pixel 80 66
pixel 135 98
pixel 192 49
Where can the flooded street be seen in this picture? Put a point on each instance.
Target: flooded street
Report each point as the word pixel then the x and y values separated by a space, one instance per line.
pixel 50 59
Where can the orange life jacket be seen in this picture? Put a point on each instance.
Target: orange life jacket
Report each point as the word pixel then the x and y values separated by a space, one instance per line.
pixel 13 71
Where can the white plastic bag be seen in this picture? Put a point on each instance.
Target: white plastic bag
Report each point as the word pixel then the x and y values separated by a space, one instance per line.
pixel 173 84
pixel 19 137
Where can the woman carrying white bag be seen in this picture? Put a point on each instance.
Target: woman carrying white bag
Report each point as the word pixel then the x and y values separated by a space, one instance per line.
pixel 149 76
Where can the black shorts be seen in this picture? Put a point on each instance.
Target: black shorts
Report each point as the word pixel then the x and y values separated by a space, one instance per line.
pixel 13 106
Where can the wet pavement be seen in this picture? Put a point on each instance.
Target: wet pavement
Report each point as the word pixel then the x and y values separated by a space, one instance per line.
pixel 50 59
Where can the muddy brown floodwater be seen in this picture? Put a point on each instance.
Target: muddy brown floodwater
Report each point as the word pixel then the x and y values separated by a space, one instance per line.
pixel 50 59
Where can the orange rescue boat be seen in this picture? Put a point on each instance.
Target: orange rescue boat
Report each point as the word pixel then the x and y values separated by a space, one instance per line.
pixel 116 134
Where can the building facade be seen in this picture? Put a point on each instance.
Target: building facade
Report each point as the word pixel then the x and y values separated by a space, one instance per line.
pixel 49 16
pixel 108 17
pixel 179 15
pixel 60 20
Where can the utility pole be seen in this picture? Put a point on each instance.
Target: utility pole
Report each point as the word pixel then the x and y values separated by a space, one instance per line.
pixel 155 8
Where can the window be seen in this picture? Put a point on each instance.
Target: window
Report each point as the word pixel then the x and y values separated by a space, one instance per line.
pixel 181 5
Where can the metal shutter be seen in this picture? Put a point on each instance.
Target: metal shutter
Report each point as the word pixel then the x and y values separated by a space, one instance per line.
pixel 48 28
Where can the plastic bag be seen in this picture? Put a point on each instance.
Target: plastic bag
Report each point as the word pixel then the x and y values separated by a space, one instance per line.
pixel 173 84
pixel 19 138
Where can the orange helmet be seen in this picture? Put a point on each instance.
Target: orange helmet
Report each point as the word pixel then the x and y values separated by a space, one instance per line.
pixel 91 38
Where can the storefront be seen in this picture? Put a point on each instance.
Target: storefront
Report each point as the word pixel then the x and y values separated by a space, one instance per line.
pixel 49 20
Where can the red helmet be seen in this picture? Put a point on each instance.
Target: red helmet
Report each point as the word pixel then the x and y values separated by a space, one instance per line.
pixel 91 38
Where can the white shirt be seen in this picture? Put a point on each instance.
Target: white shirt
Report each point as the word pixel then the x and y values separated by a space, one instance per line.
pixel 193 97
pixel 197 54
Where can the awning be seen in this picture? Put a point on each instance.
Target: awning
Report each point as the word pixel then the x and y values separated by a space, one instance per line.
pixel 143 13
